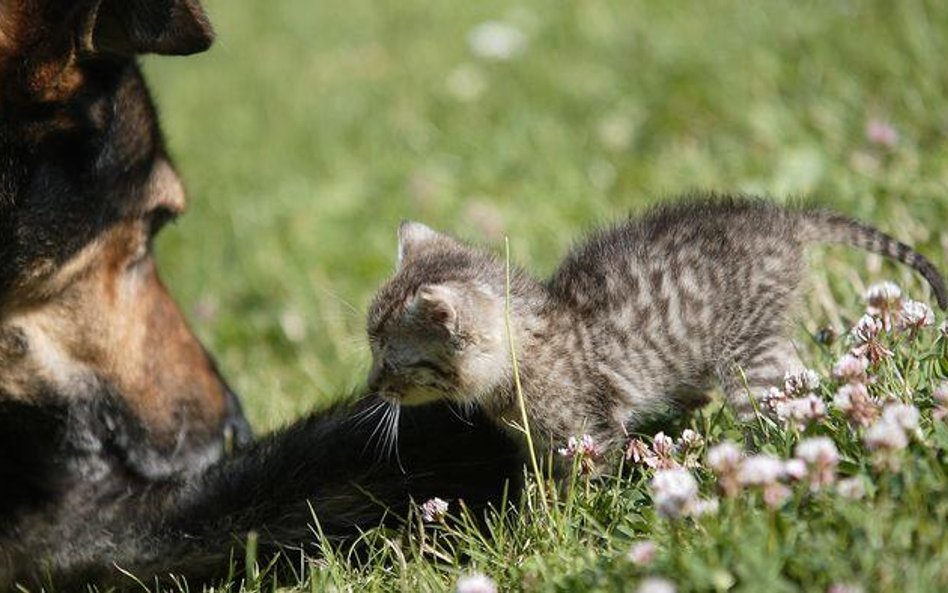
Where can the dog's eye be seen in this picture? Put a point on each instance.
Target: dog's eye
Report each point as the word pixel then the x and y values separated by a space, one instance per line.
pixel 159 217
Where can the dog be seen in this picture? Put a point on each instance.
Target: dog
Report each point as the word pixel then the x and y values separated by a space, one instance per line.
pixel 121 444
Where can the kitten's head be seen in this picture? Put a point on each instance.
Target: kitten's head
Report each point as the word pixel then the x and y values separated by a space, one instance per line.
pixel 437 327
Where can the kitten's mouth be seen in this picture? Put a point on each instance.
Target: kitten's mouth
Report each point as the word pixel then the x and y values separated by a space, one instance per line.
pixel 413 397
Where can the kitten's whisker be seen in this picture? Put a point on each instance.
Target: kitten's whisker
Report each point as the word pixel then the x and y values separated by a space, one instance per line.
pixel 398 457
pixel 365 415
pixel 459 413
pixel 378 429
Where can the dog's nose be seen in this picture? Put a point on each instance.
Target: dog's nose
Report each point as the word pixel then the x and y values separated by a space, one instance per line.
pixel 237 431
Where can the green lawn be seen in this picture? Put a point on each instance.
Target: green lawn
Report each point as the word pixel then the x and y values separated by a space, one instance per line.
pixel 312 128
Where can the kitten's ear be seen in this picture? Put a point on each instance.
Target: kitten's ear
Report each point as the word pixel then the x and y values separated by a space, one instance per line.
pixel 437 303
pixel 412 236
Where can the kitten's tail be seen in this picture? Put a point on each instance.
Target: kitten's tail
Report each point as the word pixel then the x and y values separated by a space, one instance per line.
pixel 823 226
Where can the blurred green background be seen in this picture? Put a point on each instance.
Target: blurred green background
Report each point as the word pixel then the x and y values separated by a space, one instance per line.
pixel 313 127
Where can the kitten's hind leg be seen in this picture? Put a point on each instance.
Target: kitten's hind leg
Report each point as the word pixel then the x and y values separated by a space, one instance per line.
pixel 747 378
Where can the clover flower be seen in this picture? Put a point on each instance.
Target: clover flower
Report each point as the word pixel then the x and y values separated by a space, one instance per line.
pixel 773 398
pixel 865 335
pixel 940 395
pixel 724 459
pixel 801 412
pixel 821 458
pixel 434 510
pixel 655 585
pixel 690 439
pixel 845 588
pixel 903 415
pixel 642 553
pixel 882 133
pixel 705 506
pixel 885 438
pixel 794 469
pixel 915 315
pixel 659 455
pixel 774 495
pixel 663 445
pixel 801 383
pixel 851 369
pixel 688 446
pixel 885 435
pixel 852 488
pixel 585 450
pixel 760 470
pixel 638 451
pixel 475 583
pixel 496 41
pixel 854 400
pixel 675 491
pixel 882 300
pixel 765 471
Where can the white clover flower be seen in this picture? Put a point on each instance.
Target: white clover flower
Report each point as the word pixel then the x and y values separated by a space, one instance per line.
pixel 866 329
pixel 434 510
pixel 800 383
pixel 496 41
pixel 690 439
pixel 882 297
pixel 943 328
pixel 817 450
pixel 655 585
pixel 674 491
pixel 915 315
pixel 885 435
pixel 642 553
pixel 940 393
pixel 638 451
pixel 845 588
pixel 852 488
pixel 821 457
pixel 585 449
pixel 705 506
pixel 466 83
pixel 865 336
pixel 775 495
pixel 904 415
pixel 724 457
pixel 476 583
pixel 773 397
pixel 801 411
pixel 760 470
pixel 795 469
pixel 851 368
pixel 853 399
pixel 882 133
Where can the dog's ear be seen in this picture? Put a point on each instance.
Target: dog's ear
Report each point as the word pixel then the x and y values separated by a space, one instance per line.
pixel 170 27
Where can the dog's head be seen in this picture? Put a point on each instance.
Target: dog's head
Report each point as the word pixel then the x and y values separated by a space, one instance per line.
pixel 85 185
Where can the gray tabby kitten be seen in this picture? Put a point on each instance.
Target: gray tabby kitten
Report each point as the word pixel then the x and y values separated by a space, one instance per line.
pixel 639 316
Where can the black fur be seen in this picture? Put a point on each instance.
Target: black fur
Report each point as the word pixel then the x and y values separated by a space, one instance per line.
pixel 194 526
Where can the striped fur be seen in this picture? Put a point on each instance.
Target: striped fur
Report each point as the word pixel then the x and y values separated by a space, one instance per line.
pixel 647 314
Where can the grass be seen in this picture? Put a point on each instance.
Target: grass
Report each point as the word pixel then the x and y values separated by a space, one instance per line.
pixel 312 129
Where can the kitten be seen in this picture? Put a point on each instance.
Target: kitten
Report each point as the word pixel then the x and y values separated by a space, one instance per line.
pixel 644 314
